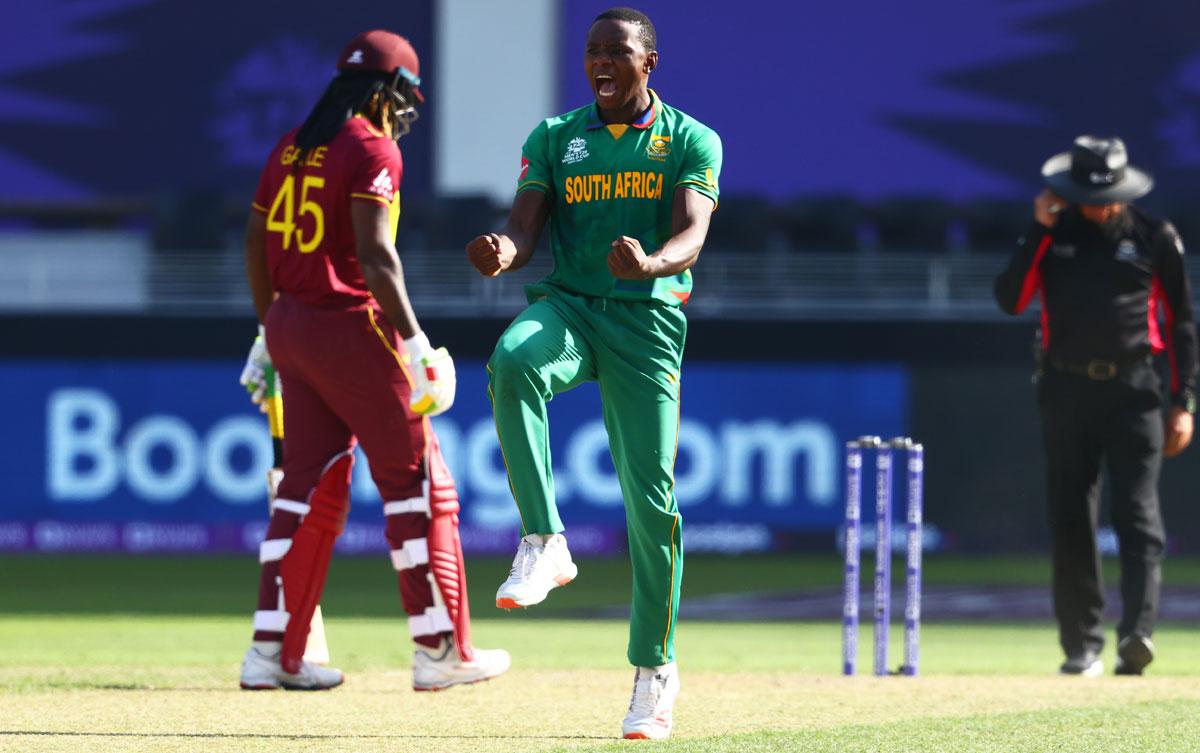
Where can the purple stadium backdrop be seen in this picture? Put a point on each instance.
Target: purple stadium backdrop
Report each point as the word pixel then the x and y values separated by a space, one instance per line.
pixel 130 97
pixel 871 98
pixel 954 98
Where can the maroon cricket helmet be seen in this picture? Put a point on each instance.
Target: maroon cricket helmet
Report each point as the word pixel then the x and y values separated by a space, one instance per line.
pixel 383 52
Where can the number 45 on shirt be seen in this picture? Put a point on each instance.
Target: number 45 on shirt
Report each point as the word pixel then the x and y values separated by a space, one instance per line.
pixel 283 215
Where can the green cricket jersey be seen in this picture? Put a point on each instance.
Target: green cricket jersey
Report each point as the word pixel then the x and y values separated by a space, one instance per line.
pixel 605 181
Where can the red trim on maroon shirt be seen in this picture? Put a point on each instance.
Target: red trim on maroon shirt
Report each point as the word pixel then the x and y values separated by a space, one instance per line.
pixel 1033 278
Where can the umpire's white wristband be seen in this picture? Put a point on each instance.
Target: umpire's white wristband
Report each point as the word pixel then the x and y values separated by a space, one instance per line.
pixel 417 346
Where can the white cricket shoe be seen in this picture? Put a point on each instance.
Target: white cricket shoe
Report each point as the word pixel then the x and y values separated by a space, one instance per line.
pixel 654 692
pixel 542 563
pixel 441 668
pixel 263 672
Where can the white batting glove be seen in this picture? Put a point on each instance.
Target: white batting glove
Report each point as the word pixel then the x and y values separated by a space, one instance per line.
pixel 254 373
pixel 433 375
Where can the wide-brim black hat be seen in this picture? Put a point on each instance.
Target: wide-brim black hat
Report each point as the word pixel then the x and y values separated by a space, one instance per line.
pixel 1096 171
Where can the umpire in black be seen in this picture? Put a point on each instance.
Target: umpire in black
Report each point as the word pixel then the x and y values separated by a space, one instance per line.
pixel 1113 293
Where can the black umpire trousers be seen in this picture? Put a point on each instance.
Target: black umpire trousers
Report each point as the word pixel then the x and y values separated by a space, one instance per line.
pixel 1119 423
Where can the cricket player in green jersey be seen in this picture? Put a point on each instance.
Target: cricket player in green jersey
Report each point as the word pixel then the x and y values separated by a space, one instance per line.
pixel 628 185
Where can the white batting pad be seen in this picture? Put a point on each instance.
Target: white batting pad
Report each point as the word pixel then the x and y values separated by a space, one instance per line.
pixel 435 620
pixel 274 620
pixel 291 505
pixel 400 507
pixel 413 553
pixel 272 550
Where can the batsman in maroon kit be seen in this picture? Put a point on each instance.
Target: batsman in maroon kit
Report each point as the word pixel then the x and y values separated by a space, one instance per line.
pixel 354 367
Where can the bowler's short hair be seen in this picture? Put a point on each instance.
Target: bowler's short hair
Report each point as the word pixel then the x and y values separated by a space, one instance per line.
pixel 646 34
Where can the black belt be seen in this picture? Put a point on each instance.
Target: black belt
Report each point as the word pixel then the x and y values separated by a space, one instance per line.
pixel 1099 369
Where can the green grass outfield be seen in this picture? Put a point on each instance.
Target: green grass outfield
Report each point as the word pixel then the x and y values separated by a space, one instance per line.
pixel 142 654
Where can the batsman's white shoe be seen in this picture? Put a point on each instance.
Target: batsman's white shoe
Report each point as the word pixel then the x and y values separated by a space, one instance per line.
pixel 441 668
pixel 542 563
pixel 654 692
pixel 263 672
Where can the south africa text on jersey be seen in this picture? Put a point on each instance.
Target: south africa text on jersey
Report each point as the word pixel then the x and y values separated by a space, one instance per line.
pixel 629 184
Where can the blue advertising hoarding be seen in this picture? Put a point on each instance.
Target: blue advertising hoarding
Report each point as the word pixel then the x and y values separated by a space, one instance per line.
pixel 170 456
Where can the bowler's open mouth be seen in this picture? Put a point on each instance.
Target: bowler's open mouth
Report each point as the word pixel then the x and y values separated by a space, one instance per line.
pixel 606 86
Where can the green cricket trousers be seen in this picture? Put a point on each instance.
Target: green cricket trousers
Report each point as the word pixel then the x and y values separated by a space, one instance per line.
pixel 633 350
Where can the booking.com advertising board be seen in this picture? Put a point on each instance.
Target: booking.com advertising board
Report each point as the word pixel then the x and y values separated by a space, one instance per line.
pixel 169 456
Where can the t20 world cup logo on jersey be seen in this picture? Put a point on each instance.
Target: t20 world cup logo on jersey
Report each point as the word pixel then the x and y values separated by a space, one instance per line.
pixel 576 151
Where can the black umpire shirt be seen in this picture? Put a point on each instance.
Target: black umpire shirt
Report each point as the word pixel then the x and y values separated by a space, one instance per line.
pixel 1109 294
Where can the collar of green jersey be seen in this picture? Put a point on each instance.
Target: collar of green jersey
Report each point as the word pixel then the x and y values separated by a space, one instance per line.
pixel 644 121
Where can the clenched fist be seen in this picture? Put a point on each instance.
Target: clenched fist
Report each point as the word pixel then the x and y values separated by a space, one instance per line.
pixel 491 254
pixel 1179 432
pixel 627 260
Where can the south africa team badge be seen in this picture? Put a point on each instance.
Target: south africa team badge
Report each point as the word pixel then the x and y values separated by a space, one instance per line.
pixel 659 148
